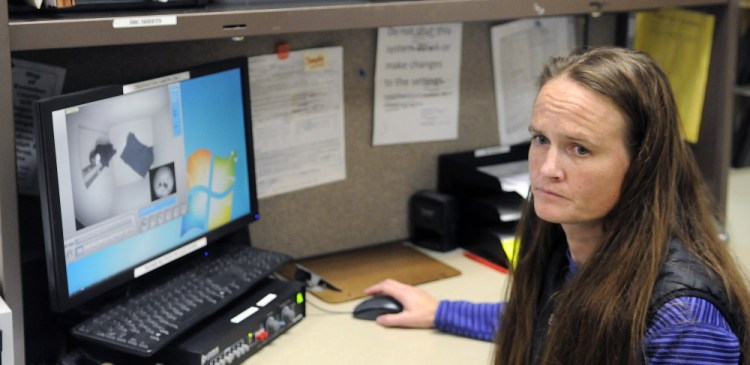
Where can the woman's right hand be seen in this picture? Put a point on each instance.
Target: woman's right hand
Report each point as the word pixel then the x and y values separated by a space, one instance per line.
pixel 419 307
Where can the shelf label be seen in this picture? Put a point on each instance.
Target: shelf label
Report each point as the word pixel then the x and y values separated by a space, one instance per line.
pixel 144 21
pixel 160 81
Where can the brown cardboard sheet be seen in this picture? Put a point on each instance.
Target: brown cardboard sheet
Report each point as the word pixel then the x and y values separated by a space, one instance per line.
pixel 353 271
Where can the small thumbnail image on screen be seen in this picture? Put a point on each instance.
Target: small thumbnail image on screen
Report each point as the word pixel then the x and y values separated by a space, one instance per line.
pixel 120 160
pixel 162 181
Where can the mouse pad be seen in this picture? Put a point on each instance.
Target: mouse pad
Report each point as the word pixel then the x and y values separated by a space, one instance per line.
pixel 353 271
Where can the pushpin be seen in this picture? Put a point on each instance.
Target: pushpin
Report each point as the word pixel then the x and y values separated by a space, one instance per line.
pixel 282 50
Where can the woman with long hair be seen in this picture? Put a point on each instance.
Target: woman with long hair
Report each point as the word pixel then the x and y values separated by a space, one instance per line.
pixel 620 258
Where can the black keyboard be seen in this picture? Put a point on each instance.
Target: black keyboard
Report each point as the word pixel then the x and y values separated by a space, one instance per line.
pixel 146 321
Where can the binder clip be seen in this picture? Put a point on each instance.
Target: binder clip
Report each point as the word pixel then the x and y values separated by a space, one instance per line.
pixel 596 8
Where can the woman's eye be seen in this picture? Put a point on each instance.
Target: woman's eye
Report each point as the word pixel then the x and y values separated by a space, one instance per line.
pixel 581 151
pixel 539 139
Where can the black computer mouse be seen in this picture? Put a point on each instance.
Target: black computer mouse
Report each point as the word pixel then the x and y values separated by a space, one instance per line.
pixel 373 307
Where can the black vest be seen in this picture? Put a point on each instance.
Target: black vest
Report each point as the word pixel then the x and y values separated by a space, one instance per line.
pixel 681 275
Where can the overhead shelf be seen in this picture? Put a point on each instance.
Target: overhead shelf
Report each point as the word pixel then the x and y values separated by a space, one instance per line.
pixel 49 30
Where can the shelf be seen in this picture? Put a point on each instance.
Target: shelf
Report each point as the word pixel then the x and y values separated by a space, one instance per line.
pixel 86 29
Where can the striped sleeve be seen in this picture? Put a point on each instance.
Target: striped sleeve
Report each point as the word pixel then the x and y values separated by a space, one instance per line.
pixel 474 320
pixel 690 330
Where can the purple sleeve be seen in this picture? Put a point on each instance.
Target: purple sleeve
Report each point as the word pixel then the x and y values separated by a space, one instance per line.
pixel 474 320
pixel 690 330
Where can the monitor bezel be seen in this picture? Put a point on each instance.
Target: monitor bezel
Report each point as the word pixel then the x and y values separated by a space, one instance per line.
pixel 60 301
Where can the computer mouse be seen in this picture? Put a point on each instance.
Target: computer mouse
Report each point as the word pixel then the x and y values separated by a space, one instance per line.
pixel 377 305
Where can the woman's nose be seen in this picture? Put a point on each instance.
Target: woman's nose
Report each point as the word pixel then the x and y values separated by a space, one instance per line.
pixel 551 164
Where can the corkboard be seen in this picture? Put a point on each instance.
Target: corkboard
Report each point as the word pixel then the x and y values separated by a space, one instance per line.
pixel 354 270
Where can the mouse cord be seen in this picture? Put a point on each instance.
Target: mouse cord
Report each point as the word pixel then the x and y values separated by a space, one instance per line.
pixel 326 310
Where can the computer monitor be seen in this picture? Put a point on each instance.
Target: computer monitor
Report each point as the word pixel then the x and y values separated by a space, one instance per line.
pixel 135 177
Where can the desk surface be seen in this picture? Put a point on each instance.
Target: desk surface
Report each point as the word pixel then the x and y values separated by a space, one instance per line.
pixel 323 338
pixel 326 338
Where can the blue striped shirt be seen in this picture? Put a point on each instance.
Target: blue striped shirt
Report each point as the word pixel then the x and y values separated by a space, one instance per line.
pixel 686 330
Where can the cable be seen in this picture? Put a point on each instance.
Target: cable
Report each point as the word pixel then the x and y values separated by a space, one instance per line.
pixel 326 310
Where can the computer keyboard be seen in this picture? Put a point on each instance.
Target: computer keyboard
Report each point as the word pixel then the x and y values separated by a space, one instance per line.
pixel 146 321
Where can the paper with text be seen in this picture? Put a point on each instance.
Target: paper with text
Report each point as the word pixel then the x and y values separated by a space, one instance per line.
pixel 519 50
pixel 31 81
pixel 417 83
pixel 680 42
pixel 298 119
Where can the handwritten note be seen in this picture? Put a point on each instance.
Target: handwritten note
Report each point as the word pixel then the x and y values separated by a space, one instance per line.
pixel 417 83
pixel 519 50
pixel 298 119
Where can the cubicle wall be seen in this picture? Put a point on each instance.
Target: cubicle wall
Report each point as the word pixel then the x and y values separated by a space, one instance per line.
pixel 370 205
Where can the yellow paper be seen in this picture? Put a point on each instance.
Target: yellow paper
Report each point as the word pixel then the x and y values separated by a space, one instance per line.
pixel 510 247
pixel 680 42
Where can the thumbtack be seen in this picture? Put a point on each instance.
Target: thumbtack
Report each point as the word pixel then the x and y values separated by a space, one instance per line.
pixel 282 50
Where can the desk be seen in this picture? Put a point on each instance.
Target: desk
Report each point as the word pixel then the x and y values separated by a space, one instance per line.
pixel 741 252
pixel 325 338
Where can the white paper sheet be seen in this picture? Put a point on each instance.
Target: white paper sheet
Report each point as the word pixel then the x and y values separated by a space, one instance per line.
pixel 31 81
pixel 298 119
pixel 519 50
pixel 513 176
pixel 417 83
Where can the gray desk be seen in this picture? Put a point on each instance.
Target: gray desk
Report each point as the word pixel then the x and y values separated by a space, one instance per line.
pixel 325 338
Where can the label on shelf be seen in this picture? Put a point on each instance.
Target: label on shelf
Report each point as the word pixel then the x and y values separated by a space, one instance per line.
pixel 144 21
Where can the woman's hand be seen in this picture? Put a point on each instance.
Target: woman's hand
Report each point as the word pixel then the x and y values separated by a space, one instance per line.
pixel 419 306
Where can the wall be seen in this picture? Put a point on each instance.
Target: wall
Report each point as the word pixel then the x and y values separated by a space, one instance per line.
pixel 370 206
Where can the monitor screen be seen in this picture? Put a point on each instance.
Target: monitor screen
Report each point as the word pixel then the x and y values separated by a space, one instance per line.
pixel 135 177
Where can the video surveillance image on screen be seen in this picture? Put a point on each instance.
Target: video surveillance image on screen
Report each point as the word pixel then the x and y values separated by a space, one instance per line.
pixel 141 173
pixel 123 157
